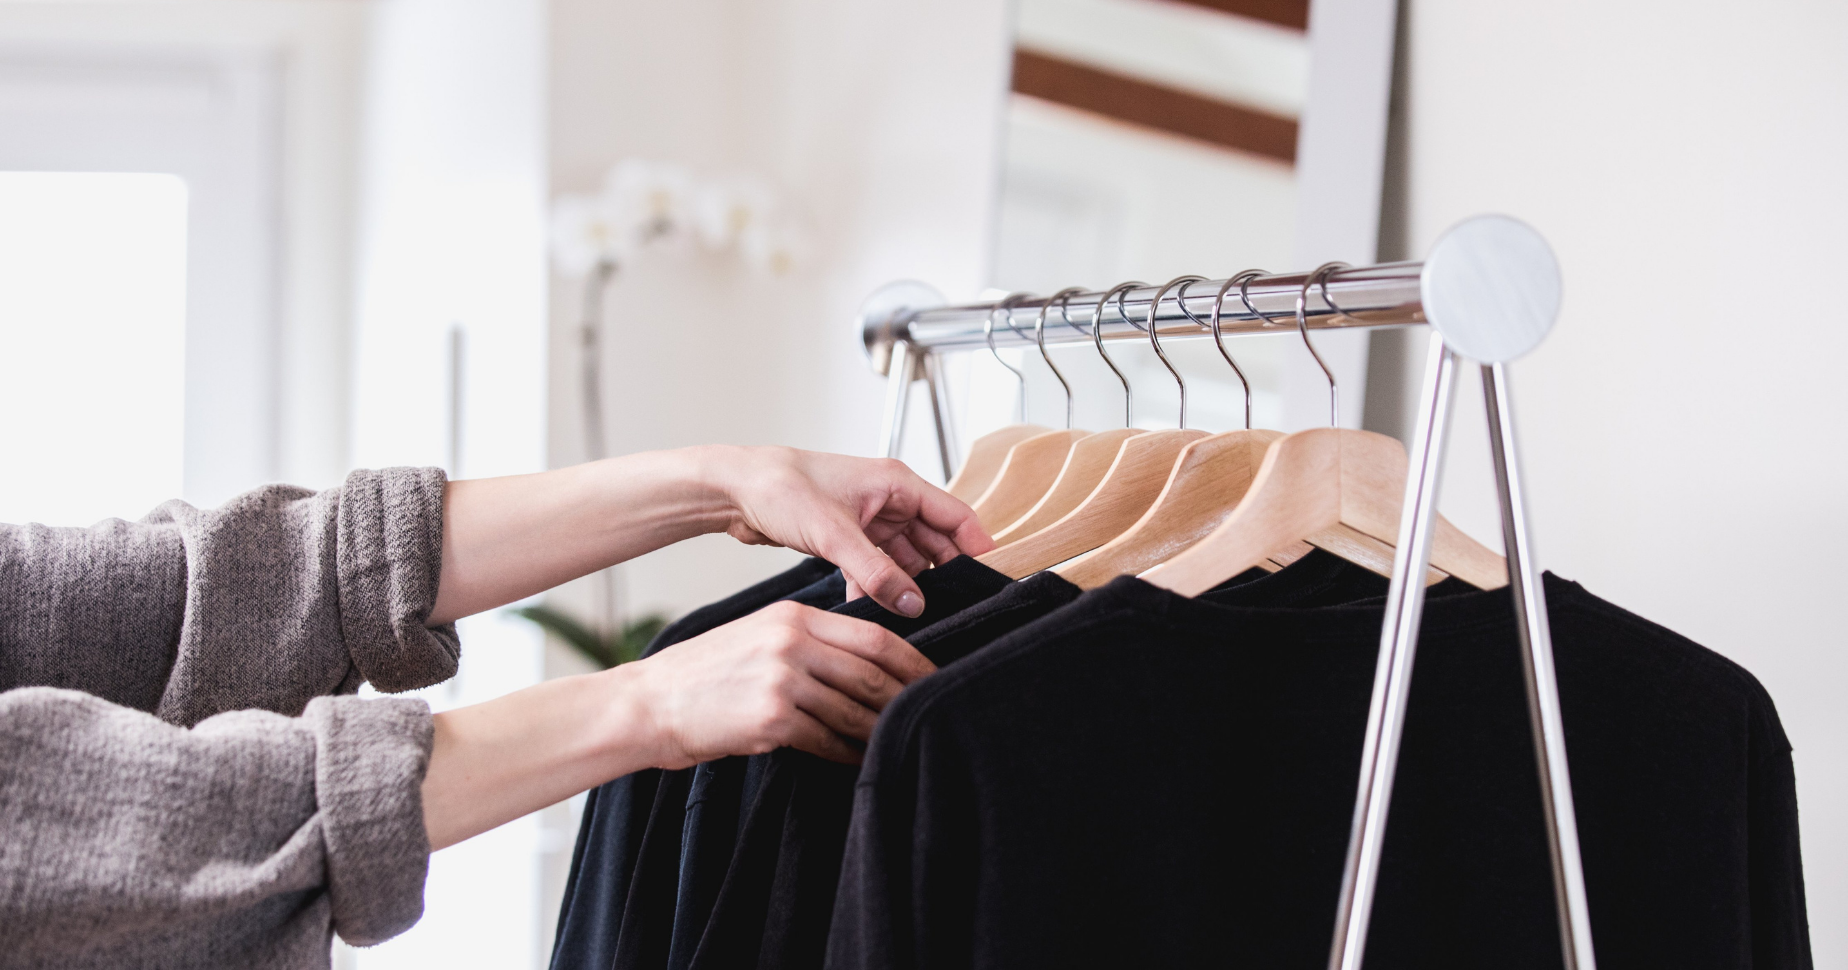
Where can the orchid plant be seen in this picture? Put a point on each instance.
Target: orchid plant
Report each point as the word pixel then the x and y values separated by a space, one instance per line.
pixel 647 207
pixel 653 206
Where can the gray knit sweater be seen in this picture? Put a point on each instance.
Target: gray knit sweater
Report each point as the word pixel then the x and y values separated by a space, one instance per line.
pixel 179 784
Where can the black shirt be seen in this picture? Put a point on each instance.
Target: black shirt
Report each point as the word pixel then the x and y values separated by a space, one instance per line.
pixel 1141 779
pixel 778 898
pixel 740 888
pixel 611 829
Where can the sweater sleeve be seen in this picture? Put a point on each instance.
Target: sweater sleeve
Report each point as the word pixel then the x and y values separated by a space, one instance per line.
pixel 278 596
pixel 118 830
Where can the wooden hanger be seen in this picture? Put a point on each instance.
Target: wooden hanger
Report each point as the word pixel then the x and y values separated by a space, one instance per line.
pixel 1310 483
pixel 985 459
pixel 1338 486
pixel 1360 549
pixel 1186 512
pixel 1090 459
pixel 1130 486
pixel 1133 483
pixel 1029 470
pixel 1204 484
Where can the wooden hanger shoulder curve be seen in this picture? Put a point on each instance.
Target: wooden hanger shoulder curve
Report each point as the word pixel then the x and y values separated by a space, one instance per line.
pixel 1205 484
pixel 985 459
pixel 1365 551
pixel 1090 459
pixel 1311 482
pixel 1130 486
pixel 1029 470
pixel 1373 470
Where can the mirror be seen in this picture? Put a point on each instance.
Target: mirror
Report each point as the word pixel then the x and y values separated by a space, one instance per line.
pixel 1145 139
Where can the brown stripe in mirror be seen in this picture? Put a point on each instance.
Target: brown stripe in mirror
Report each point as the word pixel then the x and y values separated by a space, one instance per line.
pixel 1284 13
pixel 1155 106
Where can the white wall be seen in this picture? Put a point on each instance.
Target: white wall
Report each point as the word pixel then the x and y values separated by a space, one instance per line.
pixel 1681 429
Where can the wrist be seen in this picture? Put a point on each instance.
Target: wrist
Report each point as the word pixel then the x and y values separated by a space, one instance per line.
pixel 683 487
pixel 720 475
pixel 634 730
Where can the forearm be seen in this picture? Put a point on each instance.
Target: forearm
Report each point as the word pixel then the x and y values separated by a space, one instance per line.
pixel 507 538
pixel 494 762
pixel 787 675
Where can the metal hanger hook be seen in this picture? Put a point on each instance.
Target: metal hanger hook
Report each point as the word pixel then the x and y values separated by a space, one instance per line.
pixel 1243 282
pixel 1319 274
pixel 1155 339
pixel 988 333
pixel 1097 337
pixel 1039 337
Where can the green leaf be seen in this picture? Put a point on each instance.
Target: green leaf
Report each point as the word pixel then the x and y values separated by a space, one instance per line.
pixel 605 650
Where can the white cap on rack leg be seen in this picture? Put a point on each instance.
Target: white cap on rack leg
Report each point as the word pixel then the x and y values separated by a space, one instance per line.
pixel 1491 287
pixel 880 311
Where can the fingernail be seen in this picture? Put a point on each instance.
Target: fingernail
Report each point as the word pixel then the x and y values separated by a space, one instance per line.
pixel 910 604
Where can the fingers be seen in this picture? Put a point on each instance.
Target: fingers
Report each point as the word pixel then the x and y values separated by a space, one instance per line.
pixel 805 732
pixel 842 542
pixel 947 516
pixel 931 543
pixel 901 551
pixel 870 642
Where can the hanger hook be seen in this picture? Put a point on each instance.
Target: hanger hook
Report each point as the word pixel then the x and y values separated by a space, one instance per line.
pixel 1039 337
pixel 1097 337
pixel 1155 339
pixel 1302 327
pixel 988 333
pixel 1243 282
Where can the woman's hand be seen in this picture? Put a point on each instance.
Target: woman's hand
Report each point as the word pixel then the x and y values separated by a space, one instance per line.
pixel 507 538
pixel 874 518
pixel 787 675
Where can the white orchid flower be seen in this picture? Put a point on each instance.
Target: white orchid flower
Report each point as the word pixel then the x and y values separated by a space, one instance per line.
pixel 583 234
pixel 725 210
pixel 648 205
pixel 652 203
pixel 775 247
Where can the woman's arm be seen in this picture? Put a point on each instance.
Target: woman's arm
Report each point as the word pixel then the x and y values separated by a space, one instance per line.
pixel 508 538
pixel 172 614
pixel 787 675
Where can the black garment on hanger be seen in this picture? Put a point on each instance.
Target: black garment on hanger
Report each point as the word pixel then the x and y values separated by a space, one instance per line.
pixel 778 898
pixel 611 829
pixel 1141 779
pixel 712 841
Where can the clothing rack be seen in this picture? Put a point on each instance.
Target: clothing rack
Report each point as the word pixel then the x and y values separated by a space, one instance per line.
pixel 1489 291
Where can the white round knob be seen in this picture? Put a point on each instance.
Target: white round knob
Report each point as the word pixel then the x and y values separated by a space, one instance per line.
pixel 1491 287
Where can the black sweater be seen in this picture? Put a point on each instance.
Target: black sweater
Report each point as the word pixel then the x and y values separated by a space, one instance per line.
pixel 777 896
pixel 1140 779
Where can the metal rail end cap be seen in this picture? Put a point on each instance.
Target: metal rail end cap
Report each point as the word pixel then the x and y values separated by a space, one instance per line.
pixel 884 309
pixel 1491 287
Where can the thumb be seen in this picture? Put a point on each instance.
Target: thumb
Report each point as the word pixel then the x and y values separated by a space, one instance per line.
pixel 842 542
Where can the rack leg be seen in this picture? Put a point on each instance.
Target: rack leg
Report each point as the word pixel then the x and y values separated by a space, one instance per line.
pixel 940 412
pixel 1542 684
pixel 898 394
pixel 1392 678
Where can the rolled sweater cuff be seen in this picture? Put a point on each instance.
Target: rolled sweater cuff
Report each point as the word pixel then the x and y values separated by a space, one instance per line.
pixel 371 756
pixel 390 560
